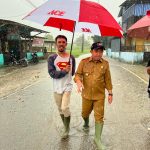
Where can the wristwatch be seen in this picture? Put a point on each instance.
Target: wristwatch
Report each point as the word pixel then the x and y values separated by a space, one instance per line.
pixel 110 94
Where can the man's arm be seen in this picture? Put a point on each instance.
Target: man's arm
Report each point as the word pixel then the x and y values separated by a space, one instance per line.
pixel 79 72
pixel 108 84
pixel 148 67
pixel 148 70
pixel 148 64
pixel 78 77
pixel 52 70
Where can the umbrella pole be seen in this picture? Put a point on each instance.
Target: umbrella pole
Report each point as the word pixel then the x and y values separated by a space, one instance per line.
pixel 72 39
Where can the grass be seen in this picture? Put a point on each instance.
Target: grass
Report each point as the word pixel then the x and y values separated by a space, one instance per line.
pixel 76 51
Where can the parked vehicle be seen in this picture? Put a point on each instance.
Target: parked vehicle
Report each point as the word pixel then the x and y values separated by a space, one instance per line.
pixel 34 57
pixel 17 61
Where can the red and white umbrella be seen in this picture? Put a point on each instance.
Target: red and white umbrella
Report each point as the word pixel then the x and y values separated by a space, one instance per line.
pixel 85 16
pixel 64 13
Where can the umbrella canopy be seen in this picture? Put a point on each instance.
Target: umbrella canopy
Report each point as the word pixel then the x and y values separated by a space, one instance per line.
pixel 141 29
pixel 64 14
pixel 95 29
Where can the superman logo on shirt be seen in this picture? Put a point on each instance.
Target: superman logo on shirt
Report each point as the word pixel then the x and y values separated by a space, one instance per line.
pixel 62 65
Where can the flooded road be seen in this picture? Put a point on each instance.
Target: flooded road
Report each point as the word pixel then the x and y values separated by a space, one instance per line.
pixel 30 119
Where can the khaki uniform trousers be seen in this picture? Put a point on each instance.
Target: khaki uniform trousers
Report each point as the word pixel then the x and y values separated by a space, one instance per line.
pixel 62 102
pixel 96 105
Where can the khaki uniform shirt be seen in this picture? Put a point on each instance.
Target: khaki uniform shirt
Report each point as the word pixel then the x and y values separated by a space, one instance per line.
pixel 95 77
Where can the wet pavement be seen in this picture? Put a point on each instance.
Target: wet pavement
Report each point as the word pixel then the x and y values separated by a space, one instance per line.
pixel 30 119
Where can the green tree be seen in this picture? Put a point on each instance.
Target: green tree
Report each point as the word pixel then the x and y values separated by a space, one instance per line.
pixel 97 38
pixel 82 43
pixel 106 41
pixel 81 39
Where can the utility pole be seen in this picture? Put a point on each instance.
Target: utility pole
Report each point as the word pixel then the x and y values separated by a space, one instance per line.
pixel 82 48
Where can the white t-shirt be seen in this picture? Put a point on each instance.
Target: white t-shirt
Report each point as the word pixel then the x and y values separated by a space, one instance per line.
pixel 63 84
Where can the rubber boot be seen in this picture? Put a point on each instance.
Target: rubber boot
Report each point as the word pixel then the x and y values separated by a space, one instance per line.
pixel 67 127
pixel 86 124
pixel 97 137
pixel 62 118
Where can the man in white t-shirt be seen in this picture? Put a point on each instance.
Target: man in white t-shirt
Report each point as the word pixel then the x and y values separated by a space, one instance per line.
pixel 61 67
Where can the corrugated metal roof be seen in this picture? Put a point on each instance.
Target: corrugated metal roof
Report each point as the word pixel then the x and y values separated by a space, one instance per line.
pixel 136 10
pixel 128 3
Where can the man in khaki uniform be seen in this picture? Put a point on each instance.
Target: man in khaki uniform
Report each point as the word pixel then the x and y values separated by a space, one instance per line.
pixel 92 78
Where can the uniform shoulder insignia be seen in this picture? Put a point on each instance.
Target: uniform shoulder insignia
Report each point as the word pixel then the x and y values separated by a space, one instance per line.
pixel 85 59
pixel 105 60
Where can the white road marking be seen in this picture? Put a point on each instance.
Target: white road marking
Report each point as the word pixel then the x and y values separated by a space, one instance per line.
pixel 134 74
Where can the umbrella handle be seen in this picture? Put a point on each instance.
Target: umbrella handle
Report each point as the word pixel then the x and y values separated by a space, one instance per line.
pixel 72 40
pixel 60 26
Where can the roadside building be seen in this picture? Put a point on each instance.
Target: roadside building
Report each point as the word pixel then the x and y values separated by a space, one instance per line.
pixel 132 50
